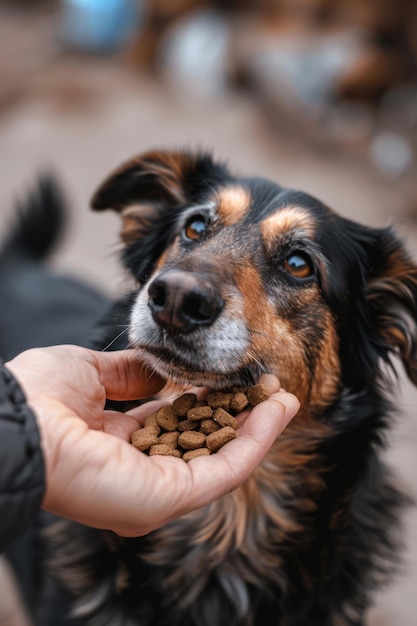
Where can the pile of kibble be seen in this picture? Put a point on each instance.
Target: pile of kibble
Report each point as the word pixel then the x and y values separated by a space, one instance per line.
pixel 190 427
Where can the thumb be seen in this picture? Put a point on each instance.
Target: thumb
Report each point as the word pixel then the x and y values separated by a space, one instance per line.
pixel 125 377
pixel 267 421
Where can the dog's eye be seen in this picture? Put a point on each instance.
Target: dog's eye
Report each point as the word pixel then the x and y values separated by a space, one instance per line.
pixel 298 265
pixel 195 228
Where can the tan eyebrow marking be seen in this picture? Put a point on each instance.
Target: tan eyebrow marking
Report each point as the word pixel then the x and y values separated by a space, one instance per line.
pixel 233 204
pixel 287 220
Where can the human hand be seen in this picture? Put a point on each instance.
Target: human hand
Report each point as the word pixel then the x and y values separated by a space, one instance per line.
pixel 94 475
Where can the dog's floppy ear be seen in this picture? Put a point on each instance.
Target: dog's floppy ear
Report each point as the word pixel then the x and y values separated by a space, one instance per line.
pixel 169 178
pixel 392 297
pixel 149 191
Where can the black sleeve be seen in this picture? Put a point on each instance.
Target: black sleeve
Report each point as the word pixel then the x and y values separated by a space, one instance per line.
pixel 22 470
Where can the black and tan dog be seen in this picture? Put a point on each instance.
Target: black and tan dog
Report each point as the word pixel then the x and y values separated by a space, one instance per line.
pixel 239 276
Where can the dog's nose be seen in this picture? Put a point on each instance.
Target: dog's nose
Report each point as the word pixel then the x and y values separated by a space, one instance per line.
pixel 182 301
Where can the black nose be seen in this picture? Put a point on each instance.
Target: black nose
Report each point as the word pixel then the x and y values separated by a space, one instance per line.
pixel 182 301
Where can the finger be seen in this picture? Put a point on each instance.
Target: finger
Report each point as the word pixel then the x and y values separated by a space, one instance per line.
pixel 125 376
pixel 269 419
pixel 270 381
pixel 121 425
pixel 272 384
pixel 139 413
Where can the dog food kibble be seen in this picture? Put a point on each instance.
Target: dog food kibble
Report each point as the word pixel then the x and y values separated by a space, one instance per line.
pixel 224 418
pixel 150 420
pixel 239 402
pixel 219 399
pixel 169 439
pixel 190 428
pixel 200 412
pixel 208 426
pixel 188 425
pixel 217 440
pixel 164 450
pixel 184 403
pixel 167 419
pixel 257 394
pixel 144 438
pixel 193 454
pixel 191 440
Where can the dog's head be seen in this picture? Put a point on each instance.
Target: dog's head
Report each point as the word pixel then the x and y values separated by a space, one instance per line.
pixel 239 276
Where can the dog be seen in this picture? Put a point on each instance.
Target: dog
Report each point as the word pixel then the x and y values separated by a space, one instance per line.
pixel 238 276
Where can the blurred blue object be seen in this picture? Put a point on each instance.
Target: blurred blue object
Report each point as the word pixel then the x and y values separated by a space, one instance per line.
pixel 100 25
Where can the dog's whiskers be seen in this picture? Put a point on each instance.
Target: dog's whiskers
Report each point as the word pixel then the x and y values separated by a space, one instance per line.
pixel 262 367
pixel 122 332
pixel 270 337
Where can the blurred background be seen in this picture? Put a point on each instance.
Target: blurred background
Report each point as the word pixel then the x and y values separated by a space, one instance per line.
pixel 320 95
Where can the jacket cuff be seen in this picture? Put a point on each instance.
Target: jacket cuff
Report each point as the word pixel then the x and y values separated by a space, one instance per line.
pixel 22 468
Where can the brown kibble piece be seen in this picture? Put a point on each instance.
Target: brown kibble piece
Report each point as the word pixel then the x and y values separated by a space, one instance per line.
pixel 167 419
pixel 169 439
pixel 208 426
pixel 190 440
pixel 164 450
pixel 224 418
pixel 150 420
pixel 200 413
pixel 188 425
pixel 214 399
pixel 193 454
pixel 184 403
pixel 257 394
pixel 239 402
pixel 144 438
pixel 219 399
pixel 217 440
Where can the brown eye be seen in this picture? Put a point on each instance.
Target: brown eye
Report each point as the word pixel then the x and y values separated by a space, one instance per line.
pixel 195 229
pixel 298 265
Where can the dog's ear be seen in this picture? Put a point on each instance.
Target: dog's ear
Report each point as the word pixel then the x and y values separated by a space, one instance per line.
pixel 392 297
pixel 168 178
pixel 149 191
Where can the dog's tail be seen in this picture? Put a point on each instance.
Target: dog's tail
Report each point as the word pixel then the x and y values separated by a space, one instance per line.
pixel 38 222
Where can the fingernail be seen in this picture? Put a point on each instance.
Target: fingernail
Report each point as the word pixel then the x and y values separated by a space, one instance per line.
pixel 270 381
pixel 290 402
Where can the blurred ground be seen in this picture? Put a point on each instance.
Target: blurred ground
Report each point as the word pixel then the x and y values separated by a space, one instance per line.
pixel 80 115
